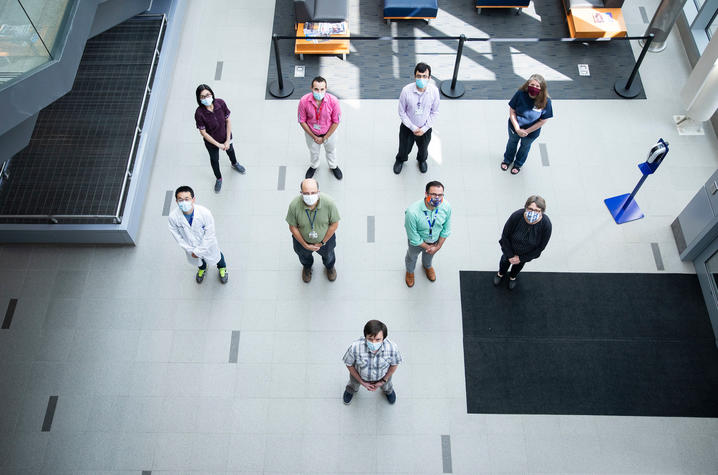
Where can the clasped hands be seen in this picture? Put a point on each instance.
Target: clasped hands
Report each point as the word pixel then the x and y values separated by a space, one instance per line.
pixel 372 386
pixel 522 133
pixel 514 260
pixel 318 140
pixel 432 249
pixel 313 247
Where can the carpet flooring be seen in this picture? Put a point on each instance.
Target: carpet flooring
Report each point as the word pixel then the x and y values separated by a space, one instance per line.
pixel 592 344
pixel 379 69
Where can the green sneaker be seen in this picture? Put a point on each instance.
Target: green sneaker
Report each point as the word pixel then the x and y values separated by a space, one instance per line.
pixel 200 275
pixel 223 275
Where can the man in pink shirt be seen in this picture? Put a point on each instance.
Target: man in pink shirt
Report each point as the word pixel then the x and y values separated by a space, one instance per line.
pixel 319 114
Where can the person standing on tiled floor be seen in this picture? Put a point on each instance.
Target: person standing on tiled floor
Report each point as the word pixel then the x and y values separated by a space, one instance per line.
pixel 313 220
pixel 319 115
pixel 427 223
pixel 418 108
pixel 212 119
pixel 192 226
pixel 372 361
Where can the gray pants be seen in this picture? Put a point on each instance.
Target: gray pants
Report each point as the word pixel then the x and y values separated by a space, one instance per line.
pixel 411 255
pixel 353 386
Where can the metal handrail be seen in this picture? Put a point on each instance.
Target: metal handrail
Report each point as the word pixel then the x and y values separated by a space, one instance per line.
pixel 138 128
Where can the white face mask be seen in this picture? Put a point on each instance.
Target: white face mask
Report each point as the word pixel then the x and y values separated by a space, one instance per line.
pixel 185 206
pixel 311 200
pixel 207 101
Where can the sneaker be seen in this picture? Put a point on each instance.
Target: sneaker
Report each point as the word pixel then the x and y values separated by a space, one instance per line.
pixel 512 284
pixel 332 274
pixel 497 279
pixel 306 274
pixel 423 167
pixel 347 397
pixel 310 172
pixel 391 397
pixel 200 275
pixel 398 166
pixel 223 275
pixel 217 185
pixel 337 173
pixel 239 168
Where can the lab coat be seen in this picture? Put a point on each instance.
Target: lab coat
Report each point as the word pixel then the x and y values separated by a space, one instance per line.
pixel 199 238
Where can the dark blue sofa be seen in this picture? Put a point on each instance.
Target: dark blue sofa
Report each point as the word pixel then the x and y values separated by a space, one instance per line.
pixel 409 9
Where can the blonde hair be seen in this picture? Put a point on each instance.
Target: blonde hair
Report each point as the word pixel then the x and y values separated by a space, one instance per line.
pixel 541 100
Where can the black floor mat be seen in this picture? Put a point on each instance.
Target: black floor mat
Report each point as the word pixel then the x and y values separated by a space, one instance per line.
pixel 379 69
pixel 595 344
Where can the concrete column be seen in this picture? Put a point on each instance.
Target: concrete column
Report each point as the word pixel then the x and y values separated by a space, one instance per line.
pixel 700 93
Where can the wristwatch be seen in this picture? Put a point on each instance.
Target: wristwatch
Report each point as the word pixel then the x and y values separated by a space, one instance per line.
pixel 323 243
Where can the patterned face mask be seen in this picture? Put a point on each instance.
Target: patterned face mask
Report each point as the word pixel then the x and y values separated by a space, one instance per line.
pixel 532 216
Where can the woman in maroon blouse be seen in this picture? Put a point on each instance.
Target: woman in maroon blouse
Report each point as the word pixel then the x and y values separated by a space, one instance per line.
pixel 212 118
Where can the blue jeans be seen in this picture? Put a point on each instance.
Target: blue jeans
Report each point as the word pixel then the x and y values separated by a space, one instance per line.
pixel 513 142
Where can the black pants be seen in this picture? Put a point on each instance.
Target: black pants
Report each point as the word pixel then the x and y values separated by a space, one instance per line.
pixel 306 256
pixel 214 157
pixel 504 266
pixel 406 142
pixel 220 264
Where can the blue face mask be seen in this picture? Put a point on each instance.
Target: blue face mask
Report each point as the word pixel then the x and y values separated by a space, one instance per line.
pixel 435 201
pixel 532 216
pixel 421 83
pixel 373 346
pixel 185 206
pixel 318 95
pixel 207 101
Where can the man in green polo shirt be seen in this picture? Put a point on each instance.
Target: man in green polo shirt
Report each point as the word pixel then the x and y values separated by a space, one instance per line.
pixel 313 219
pixel 428 224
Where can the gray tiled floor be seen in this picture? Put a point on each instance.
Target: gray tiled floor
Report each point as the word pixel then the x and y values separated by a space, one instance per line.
pixel 138 353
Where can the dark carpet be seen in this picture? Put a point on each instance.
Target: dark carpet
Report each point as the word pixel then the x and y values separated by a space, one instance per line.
pixel 379 69
pixel 593 344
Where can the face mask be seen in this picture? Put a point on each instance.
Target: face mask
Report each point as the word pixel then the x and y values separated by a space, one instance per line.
pixel 318 95
pixel 373 346
pixel 421 83
pixel 310 200
pixel 435 201
pixel 207 101
pixel 532 216
pixel 534 91
pixel 185 206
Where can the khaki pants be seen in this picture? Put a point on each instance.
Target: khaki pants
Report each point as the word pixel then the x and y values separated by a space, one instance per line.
pixel 329 149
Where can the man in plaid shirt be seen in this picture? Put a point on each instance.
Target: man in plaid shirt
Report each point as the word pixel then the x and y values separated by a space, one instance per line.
pixel 371 362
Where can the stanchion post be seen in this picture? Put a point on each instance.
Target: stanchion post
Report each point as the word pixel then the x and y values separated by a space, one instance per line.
pixel 454 89
pixel 630 89
pixel 279 88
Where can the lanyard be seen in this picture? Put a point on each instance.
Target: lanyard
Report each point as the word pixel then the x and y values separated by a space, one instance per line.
pixel 318 110
pixel 311 220
pixel 431 221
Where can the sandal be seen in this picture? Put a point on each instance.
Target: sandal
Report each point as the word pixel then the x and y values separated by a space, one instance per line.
pixel 515 170
pixel 504 166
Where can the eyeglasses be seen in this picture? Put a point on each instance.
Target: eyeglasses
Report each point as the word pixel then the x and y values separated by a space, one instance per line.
pixel 205 96
pixel 436 195
pixel 537 210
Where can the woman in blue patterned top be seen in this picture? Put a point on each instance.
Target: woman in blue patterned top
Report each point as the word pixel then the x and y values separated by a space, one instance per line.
pixel 529 110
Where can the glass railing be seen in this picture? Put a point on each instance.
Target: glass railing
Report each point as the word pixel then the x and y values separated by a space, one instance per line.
pixel 28 33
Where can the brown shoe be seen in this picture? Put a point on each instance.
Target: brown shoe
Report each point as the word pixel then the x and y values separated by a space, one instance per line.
pixel 332 274
pixel 430 274
pixel 306 274
pixel 409 279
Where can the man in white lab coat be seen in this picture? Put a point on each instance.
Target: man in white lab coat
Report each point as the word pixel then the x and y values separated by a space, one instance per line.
pixel 192 226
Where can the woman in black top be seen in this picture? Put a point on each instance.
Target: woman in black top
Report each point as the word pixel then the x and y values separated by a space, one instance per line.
pixel 524 237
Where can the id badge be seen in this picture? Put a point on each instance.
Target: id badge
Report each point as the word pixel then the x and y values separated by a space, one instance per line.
pixel 313 235
pixel 316 127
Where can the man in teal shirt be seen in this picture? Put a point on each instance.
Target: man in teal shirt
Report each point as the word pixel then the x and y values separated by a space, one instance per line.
pixel 428 224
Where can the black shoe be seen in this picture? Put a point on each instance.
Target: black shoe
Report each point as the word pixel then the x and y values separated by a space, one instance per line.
pixel 422 166
pixel 239 168
pixel 310 172
pixel 217 185
pixel 347 398
pixel 391 397
pixel 497 279
pixel 337 173
pixel 397 166
pixel 512 284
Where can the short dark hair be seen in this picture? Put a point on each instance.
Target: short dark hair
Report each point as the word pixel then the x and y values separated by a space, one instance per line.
pixel 182 189
pixel 433 183
pixel 539 201
pixel 318 79
pixel 201 88
pixel 373 327
pixel 421 67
